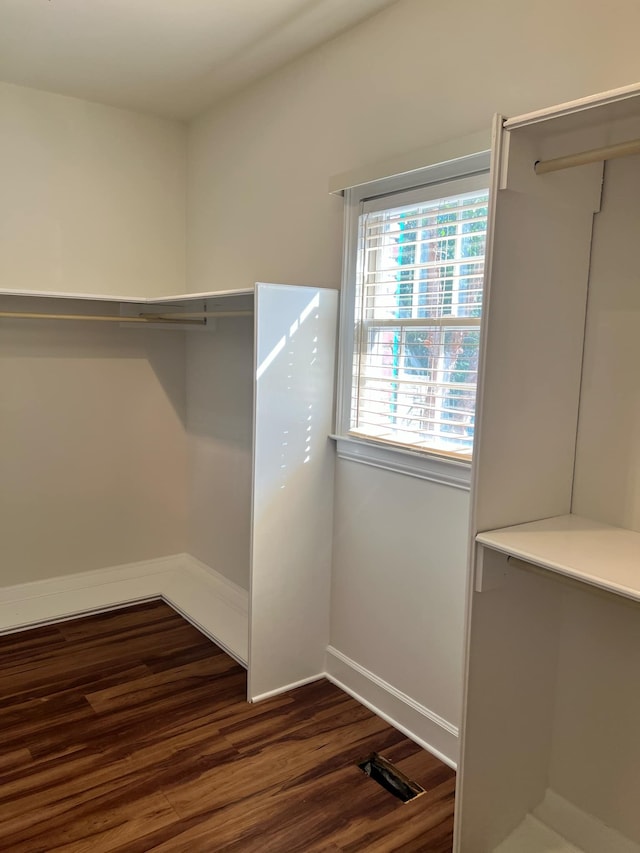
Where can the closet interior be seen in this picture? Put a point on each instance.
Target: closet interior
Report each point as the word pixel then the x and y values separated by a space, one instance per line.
pixel 551 752
pixel 189 427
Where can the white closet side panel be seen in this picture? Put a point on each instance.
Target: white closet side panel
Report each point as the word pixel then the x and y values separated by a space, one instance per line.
pixel 607 479
pixel 219 440
pixel 293 485
pixel 510 706
pixel 525 449
pixel 595 761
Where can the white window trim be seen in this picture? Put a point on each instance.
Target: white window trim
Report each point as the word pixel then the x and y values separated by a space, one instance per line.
pixel 402 460
pixel 434 467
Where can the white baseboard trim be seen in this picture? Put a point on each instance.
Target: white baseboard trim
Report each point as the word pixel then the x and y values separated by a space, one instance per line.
pixel 212 603
pixel 426 728
pixel 270 693
pixel 580 828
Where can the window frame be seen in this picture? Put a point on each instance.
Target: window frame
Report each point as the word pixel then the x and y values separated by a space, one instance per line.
pixel 424 464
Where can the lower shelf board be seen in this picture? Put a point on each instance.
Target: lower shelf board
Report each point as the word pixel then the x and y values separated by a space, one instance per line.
pixel 558 826
pixel 582 549
pixel 532 836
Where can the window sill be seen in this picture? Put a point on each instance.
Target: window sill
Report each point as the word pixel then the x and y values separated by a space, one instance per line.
pixel 447 472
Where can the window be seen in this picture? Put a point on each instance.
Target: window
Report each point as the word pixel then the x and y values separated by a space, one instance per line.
pixel 413 302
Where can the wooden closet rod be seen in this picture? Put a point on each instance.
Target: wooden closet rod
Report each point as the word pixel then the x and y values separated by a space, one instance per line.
pixel 192 315
pixel 608 152
pixel 97 318
pixel 194 318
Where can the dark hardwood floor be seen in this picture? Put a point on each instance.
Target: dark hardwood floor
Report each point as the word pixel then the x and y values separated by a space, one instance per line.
pixel 129 732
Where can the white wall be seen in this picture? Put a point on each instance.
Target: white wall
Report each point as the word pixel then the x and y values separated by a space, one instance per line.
pixel 399 560
pixel 92 199
pixel 92 434
pixel 607 475
pixel 92 443
pixel 418 73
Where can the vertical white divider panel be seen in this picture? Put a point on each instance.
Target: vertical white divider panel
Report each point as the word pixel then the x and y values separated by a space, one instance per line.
pixel 534 334
pixel 510 705
pixel 293 462
pixel 528 398
pixel 532 338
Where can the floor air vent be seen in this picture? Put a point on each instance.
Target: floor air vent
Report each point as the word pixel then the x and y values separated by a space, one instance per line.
pixel 385 774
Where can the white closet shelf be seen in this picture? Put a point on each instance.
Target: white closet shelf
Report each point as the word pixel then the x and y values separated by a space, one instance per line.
pixel 611 106
pixel 596 554
pixel 179 311
pixel 212 294
pixel 142 300
pixel 532 836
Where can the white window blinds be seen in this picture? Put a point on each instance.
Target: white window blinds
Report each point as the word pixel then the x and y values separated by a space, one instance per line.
pixel 417 317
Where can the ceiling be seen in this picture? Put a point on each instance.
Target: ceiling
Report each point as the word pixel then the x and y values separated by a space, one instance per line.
pixel 169 57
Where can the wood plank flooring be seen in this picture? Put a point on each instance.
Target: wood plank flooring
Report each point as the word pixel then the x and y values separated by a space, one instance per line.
pixel 129 731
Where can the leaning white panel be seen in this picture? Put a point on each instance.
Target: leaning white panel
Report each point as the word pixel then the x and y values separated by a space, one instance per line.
pixel 293 486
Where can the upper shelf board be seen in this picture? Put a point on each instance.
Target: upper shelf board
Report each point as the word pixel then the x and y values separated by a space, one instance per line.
pixel 596 554
pixel 604 108
pixel 213 294
pixel 138 300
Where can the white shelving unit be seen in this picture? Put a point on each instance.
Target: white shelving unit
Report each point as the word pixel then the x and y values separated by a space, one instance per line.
pixel 550 747
pixel 258 391
pixel 218 296
pixel 595 554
